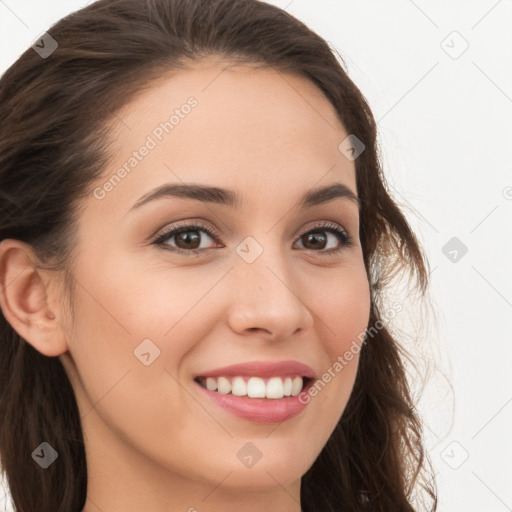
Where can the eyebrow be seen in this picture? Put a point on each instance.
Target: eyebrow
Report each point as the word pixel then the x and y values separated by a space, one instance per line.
pixel 231 199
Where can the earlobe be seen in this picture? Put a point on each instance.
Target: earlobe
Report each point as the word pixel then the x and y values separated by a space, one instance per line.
pixel 24 299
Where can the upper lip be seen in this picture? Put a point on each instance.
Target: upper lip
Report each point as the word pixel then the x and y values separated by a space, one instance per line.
pixel 261 369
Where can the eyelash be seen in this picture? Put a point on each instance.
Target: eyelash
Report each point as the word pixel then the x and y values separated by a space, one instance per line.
pixel 343 236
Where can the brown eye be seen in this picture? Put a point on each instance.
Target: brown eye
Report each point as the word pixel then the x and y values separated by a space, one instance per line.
pixel 188 238
pixel 316 239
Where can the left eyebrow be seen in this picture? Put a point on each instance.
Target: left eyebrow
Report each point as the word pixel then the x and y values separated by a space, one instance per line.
pixel 232 199
pixel 326 194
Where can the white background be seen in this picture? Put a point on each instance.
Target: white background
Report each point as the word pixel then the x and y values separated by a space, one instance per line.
pixel 445 122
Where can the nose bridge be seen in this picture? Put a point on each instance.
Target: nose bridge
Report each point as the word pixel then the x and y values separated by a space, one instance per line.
pixel 267 298
pixel 261 263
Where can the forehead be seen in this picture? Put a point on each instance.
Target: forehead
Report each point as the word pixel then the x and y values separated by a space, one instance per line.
pixel 220 86
pixel 215 123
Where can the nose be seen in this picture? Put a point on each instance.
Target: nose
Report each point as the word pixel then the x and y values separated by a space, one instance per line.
pixel 268 299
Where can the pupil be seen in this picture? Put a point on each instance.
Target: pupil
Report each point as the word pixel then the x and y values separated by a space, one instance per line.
pixel 316 237
pixel 187 238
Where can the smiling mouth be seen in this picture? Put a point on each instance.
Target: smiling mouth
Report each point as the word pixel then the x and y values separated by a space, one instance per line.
pixel 256 387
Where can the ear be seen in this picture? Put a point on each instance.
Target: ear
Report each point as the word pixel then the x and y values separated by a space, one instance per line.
pixel 25 298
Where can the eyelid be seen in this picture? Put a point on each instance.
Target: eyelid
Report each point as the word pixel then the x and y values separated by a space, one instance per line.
pixel 168 227
pixel 190 225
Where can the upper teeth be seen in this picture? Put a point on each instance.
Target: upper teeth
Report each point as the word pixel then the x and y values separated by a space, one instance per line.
pixel 255 387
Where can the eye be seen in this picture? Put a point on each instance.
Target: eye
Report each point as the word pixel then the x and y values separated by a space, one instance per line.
pixel 187 236
pixel 312 238
pixel 188 240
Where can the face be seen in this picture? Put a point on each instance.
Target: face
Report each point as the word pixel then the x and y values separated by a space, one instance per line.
pixel 263 278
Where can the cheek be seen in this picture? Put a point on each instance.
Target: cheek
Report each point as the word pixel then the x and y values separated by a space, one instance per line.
pixel 130 314
pixel 345 310
pixel 119 326
pixel 343 313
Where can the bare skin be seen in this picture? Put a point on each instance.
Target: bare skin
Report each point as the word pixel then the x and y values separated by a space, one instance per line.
pixel 154 442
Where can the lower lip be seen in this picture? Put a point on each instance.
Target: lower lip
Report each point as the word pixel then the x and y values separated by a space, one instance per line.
pixel 260 410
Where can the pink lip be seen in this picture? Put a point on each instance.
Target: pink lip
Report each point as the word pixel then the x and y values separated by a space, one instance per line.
pixel 261 369
pixel 260 410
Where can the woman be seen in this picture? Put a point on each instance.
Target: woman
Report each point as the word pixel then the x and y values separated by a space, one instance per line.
pixel 196 235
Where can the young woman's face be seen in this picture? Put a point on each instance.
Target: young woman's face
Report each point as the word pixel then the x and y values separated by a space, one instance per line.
pixel 153 312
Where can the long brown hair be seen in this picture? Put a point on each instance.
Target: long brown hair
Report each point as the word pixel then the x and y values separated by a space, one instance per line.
pixel 54 143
